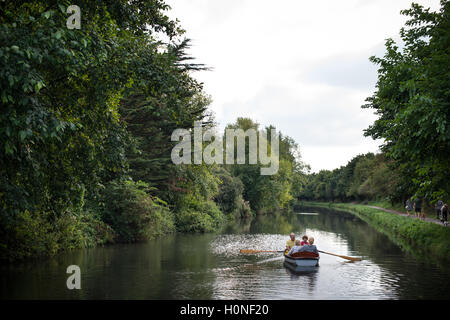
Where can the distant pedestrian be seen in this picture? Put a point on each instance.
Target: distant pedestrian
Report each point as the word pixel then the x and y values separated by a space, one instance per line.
pixel 438 208
pixel 417 207
pixel 409 206
pixel 444 214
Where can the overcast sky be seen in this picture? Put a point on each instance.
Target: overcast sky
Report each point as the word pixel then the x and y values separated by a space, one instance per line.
pixel 299 65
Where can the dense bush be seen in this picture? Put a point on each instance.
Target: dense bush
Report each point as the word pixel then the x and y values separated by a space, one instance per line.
pixel 133 213
pixel 229 199
pixel 199 217
pixel 34 235
pixel 194 221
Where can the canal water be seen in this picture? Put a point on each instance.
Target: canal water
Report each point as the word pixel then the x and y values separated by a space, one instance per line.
pixel 209 266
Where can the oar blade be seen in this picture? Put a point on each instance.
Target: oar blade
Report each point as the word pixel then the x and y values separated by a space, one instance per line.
pixel 248 251
pixel 341 256
pixel 352 258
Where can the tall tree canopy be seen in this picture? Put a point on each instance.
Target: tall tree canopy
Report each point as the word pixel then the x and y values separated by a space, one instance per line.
pixel 60 130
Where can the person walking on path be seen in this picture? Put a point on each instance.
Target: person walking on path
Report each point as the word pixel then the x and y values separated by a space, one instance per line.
pixel 418 207
pixel 444 214
pixel 409 206
pixel 438 208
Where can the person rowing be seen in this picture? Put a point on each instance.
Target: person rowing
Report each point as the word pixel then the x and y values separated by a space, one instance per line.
pixel 291 242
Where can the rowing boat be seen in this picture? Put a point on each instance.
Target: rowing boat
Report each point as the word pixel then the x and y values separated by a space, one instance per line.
pixel 303 259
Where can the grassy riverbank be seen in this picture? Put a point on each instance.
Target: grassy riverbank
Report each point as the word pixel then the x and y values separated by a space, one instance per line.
pixel 423 239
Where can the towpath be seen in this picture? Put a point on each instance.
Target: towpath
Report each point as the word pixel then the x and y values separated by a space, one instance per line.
pixel 433 220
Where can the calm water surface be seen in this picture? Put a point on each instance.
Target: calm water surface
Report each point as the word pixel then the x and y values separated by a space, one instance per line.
pixel 209 266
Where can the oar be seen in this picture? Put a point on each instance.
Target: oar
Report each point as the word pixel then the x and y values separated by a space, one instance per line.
pixel 257 251
pixel 341 256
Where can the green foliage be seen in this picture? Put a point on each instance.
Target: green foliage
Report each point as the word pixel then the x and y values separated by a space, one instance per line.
pixel 87 112
pixel 133 213
pixel 165 98
pixel 365 177
pixel 412 101
pixel 269 193
pixel 61 134
pixel 229 197
pixel 199 217
pixel 36 234
pixel 192 195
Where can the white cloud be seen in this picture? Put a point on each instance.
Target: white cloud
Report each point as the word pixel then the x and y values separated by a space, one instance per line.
pixel 299 65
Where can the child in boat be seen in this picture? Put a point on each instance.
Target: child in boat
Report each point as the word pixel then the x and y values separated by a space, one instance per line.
pixel 304 240
pixel 295 248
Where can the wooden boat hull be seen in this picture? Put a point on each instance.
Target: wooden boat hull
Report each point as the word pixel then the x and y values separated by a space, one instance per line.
pixel 302 261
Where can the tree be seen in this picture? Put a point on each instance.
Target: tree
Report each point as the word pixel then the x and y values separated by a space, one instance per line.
pixel 267 193
pixel 165 98
pixel 62 139
pixel 412 100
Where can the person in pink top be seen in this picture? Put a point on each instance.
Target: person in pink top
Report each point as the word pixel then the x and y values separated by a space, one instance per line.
pixel 304 240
